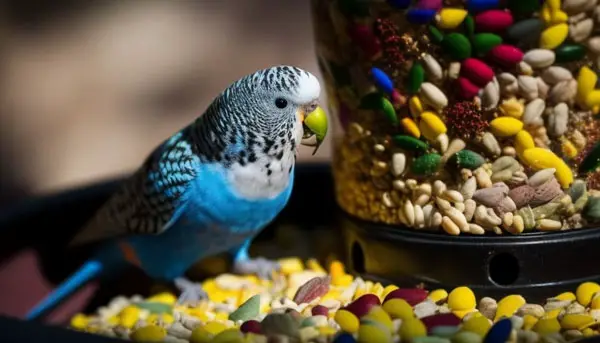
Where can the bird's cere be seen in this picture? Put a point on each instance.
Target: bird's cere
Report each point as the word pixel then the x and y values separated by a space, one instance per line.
pixel 308 89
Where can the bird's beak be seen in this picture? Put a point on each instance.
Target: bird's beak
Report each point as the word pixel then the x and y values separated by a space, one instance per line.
pixel 314 123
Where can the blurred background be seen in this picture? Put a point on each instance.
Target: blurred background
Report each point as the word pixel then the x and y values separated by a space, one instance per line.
pixel 89 88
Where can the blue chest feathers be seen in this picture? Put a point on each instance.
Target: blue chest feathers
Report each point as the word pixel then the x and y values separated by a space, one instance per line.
pixel 212 218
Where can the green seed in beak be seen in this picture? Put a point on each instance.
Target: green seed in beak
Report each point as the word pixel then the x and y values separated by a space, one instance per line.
pixel 315 123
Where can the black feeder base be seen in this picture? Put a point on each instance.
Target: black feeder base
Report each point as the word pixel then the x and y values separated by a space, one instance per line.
pixel 535 265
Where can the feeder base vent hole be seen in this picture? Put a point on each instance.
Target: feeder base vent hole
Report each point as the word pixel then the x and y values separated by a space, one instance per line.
pixel 358 258
pixel 503 269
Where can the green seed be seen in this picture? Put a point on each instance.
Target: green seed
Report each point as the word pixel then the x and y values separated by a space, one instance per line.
pixel 426 165
pixel 469 26
pixel 525 31
pixel 416 77
pixel 569 53
pixel 591 161
pixel 436 35
pixel 248 310
pixel 410 143
pixel 523 7
pixel 467 159
pixel 592 209
pixel 484 42
pixel 378 102
pixel 457 46
pixel 155 307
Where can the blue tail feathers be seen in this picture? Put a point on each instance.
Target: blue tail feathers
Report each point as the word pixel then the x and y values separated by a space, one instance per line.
pixel 90 270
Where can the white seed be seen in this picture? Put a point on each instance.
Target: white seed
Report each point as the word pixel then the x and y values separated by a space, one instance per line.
pixel 470 206
pixel 476 229
pixel 419 217
pixel 422 199
pixel 507 220
pixel 509 151
pixel 539 58
pixel 452 195
pixel 411 184
pixel 409 212
pixel 398 163
pixel 438 187
pixel 594 45
pixel 455 146
pixel 517 225
pixel 558 120
pixel 433 68
pixel 436 220
pixel 491 144
pixel 427 214
pixel 549 225
pixel 387 200
pixel 399 185
pixel 449 226
pixel 425 188
pixel 524 68
pixel 433 96
pixel 564 91
pixel 402 218
pixel 468 188
pixel 533 111
pixel 577 6
pixel 483 178
pixel 490 95
pixel 556 74
pixel 582 30
pixel 460 206
pixel 543 88
pixel 458 218
pixel 453 70
pixel 541 177
pixel 527 87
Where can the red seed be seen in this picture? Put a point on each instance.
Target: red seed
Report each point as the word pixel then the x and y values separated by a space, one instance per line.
pixel 466 88
pixel 493 21
pixel 442 319
pixel 320 310
pixel 252 326
pixel 506 55
pixel 412 296
pixel 366 39
pixel 363 304
pixel 477 71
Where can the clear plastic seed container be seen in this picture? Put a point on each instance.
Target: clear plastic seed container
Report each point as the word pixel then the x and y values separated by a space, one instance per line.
pixel 464 117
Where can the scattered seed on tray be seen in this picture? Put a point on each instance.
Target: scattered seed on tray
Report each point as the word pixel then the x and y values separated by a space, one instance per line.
pixel 306 303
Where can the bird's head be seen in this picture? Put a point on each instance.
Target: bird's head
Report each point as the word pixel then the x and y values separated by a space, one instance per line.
pixel 284 100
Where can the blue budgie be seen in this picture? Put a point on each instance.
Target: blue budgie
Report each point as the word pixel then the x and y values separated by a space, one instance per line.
pixel 210 188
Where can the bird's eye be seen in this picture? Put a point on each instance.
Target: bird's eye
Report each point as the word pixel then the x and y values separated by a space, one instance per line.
pixel 280 103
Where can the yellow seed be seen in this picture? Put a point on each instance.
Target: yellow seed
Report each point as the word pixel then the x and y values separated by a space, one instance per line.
pixel 553 5
pixel 398 308
pixel 595 304
pixel 587 332
pixel 554 36
pixel 586 82
pixel 523 141
pixel 377 289
pixel 508 305
pixel 315 266
pixel 114 320
pixel 547 326
pixel 586 291
pixel 388 289
pixel 431 125
pixel 229 336
pixel 540 158
pixel 200 335
pixel 438 295
pixel 412 328
pixel 546 14
pixel 569 149
pixel 512 108
pixel 327 331
pixel 214 327
pixel 359 293
pixel 558 17
pixel 164 298
pixel 552 313
pixel 576 321
pixel 342 280
pixel 505 126
pixel 221 316
pixel 450 18
pixel 291 265
pixel 79 321
pixel 461 299
pixel 411 127
pixel 336 268
pixel 373 333
pixel 150 333
pixel 415 106
pixel 379 315
pixel 592 99
pixel 478 324
pixel 129 316
pixel 566 296
pixel 529 321
pixel 347 321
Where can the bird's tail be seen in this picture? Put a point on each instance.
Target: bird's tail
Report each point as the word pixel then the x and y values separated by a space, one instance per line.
pixel 90 270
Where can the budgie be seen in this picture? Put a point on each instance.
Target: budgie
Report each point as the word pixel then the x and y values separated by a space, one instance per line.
pixel 210 188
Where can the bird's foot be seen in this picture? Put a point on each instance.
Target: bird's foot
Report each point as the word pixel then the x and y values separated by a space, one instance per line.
pixel 262 267
pixel 191 292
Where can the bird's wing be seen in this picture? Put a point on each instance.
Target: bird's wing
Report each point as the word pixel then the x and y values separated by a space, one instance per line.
pixel 147 202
